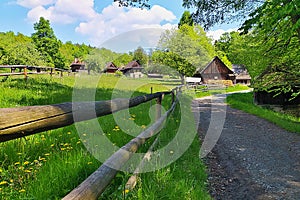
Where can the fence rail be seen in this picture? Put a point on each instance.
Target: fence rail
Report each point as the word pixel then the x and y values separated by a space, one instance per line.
pixel 26 70
pixel 23 121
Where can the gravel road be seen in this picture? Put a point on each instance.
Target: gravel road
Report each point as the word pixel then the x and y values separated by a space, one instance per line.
pixel 252 159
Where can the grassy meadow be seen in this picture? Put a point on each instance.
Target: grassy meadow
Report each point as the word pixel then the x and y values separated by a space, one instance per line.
pixel 50 164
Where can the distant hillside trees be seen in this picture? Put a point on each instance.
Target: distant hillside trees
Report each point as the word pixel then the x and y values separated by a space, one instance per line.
pixel 19 50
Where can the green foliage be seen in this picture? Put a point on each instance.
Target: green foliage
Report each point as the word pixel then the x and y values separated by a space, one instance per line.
pixel 97 59
pixel 18 50
pixel 123 60
pixel 140 55
pixel 244 50
pixel 209 13
pixel 269 46
pixel 175 61
pixel 186 18
pixel 191 43
pixel 71 51
pixel 224 59
pixel 47 43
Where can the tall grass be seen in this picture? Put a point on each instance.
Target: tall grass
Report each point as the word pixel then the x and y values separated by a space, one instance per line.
pixel 245 102
pixel 50 164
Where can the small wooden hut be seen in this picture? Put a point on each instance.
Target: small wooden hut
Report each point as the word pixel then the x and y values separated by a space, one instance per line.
pixel 110 68
pixel 77 65
pixel 242 75
pixel 133 69
pixel 214 71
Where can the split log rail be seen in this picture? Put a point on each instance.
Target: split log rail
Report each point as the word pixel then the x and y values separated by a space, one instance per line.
pixel 25 70
pixel 24 121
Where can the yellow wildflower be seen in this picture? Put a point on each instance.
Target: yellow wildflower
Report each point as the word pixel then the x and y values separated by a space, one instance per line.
pixel 17 163
pixel 52 145
pixel 69 133
pixel 3 182
pixel 26 163
pixel 27 171
pixel 89 163
pixel 126 191
pixel 22 190
pixel 47 154
pixel 11 180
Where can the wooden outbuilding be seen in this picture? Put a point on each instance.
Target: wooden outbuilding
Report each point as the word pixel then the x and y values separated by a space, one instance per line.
pixel 110 68
pixel 77 65
pixel 133 69
pixel 216 70
pixel 242 75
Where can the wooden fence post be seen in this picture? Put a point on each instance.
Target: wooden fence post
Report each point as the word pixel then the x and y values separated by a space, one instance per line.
pixel 173 95
pixel 25 73
pixel 158 106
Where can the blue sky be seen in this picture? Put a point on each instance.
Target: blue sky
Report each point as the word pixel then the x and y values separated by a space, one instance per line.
pixel 92 22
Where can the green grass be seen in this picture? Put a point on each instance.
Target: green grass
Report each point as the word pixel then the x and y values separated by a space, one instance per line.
pixel 245 102
pixel 50 164
pixel 202 92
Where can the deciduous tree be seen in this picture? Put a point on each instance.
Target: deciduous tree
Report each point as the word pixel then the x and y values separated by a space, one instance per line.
pixel 175 61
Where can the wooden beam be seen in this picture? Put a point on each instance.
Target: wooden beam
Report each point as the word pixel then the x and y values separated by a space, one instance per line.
pixel 96 183
pixel 23 121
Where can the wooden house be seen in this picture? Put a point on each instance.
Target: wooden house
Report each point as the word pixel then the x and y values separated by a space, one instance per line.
pixel 77 65
pixel 110 68
pixel 133 69
pixel 242 75
pixel 243 78
pixel 216 70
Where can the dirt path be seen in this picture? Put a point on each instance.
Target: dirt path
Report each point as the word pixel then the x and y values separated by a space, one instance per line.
pixel 253 158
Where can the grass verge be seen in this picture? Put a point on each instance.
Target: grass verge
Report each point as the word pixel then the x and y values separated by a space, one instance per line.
pixel 244 101
pixel 202 91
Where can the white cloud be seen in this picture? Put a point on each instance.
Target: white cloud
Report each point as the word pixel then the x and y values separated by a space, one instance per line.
pixel 98 26
pixel 215 35
pixel 34 3
pixel 114 20
pixel 59 11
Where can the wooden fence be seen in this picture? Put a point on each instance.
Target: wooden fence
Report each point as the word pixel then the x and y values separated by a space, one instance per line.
pixel 25 70
pixel 23 121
